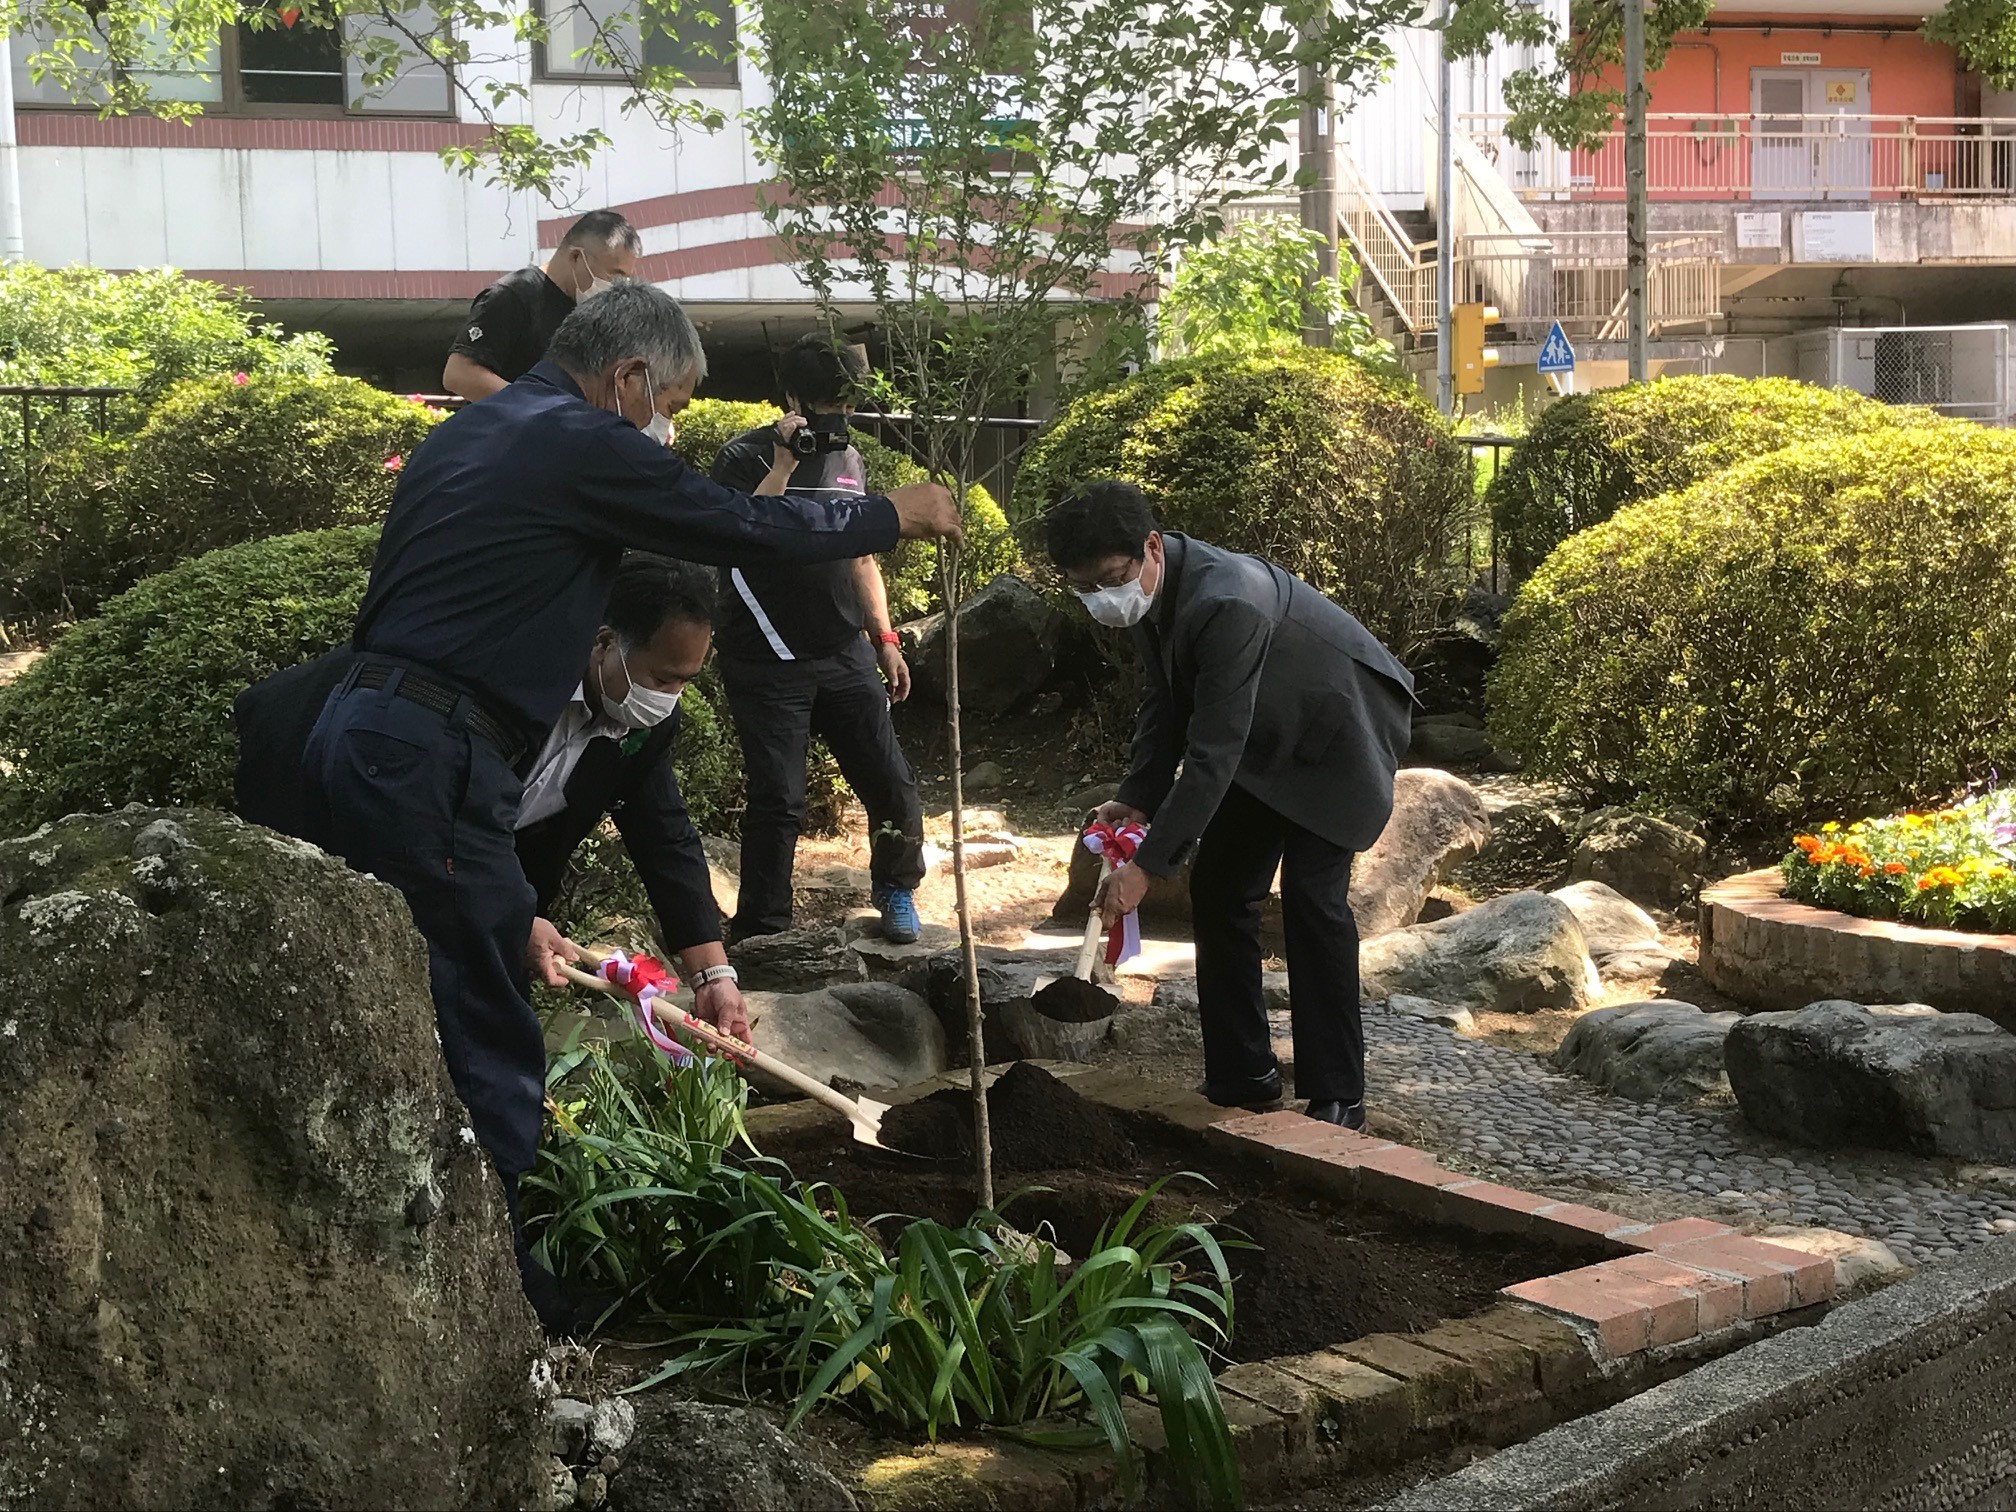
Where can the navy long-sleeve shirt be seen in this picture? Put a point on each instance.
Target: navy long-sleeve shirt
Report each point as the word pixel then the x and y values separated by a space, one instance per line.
pixel 508 523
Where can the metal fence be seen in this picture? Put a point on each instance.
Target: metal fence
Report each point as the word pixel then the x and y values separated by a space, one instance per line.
pixel 1001 444
pixel 26 403
pixel 1773 157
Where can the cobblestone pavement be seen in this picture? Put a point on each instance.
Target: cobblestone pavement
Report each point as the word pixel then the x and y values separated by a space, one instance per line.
pixel 1508 1115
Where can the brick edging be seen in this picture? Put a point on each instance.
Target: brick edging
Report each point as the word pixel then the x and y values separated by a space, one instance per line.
pixel 1767 951
pixel 1671 1282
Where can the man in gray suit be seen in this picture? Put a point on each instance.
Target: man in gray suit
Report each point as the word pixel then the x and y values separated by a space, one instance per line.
pixel 1269 734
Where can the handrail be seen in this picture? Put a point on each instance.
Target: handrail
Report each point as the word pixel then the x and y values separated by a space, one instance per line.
pixel 1386 253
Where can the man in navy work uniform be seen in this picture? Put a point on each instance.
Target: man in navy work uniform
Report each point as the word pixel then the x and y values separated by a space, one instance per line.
pixel 512 320
pixel 611 754
pixel 1287 720
pixel 496 560
pixel 797 660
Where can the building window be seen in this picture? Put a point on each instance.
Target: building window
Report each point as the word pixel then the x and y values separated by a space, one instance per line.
pixel 598 39
pixel 282 69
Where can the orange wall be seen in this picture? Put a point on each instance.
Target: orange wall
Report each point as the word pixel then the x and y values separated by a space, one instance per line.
pixel 1908 76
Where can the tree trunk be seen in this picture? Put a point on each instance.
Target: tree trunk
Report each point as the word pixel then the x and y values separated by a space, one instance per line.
pixel 983 1141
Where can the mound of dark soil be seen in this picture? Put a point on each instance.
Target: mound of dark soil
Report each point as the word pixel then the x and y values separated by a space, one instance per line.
pixel 1037 1124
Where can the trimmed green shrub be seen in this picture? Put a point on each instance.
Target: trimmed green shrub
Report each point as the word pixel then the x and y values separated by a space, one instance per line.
pixel 219 460
pixel 1351 482
pixel 910 572
pixel 1827 629
pixel 135 705
pixel 1588 455
pixel 78 327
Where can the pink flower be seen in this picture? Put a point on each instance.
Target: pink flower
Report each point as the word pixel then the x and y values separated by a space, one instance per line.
pixel 240 379
pixel 394 462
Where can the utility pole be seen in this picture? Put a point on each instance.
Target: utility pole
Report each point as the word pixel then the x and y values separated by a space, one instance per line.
pixel 1637 332
pixel 1445 227
pixel 1319 195
pixel 13 245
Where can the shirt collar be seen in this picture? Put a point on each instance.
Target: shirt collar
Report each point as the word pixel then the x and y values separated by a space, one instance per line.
pixel 550 373
pixel 610 724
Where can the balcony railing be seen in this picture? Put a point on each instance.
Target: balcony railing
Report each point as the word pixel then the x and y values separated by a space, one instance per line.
pixel 1578 279
pixel 1752 157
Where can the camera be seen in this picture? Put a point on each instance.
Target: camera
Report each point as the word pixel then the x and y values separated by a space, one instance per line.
pixel 820 434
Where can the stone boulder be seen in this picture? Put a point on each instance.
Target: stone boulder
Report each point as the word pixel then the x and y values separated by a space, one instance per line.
pixel 1648 860
pixel 796 960
pixel 1623 938
pixel 1013 1028
pixel 690 1457
pixel 1659 1051
pixel 1909 1078
pixel 1008 639
pixel 1530 846
pixel 1438 823
pixel 1457 738
pixel 882 958
pixel 254 1254
pixel 873 1034
pixel 1512 954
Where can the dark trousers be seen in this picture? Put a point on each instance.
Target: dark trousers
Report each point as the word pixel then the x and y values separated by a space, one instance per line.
pixel 778 707
pixel 1232 872
pixel 418 801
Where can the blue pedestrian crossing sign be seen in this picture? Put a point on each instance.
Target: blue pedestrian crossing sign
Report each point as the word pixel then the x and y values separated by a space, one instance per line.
pixel 1556 356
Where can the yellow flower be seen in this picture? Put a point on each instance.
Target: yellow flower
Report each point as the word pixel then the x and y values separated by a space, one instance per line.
pixel 1939 876
pixel 1830 827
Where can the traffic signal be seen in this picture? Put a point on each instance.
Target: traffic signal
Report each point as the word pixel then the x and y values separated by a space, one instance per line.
pixel 1469 354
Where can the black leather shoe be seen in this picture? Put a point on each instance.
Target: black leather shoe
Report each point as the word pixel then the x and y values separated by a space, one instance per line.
pixel 1262 1095
pixel 1344 1115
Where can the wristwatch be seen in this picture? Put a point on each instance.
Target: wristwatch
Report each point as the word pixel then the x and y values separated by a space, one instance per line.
pixel 707 976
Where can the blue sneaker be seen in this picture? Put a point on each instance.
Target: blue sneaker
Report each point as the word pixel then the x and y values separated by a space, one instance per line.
pixel 898 906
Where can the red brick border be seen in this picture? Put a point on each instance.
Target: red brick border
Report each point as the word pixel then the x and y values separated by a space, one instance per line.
pixel 1667 1283
pixel 1765 950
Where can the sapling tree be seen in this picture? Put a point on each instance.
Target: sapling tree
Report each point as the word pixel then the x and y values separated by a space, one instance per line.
pixel 1004 180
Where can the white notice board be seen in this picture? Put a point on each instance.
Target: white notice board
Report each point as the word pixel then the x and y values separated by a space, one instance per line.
pixel 1760 228
pixel 1834 236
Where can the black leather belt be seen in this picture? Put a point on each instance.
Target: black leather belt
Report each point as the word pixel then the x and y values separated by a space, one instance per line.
pixel 417 687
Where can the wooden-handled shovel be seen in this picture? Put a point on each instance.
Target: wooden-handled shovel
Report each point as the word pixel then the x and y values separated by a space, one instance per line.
pixel 865 1115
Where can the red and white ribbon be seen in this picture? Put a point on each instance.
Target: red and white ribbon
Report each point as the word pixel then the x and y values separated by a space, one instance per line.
pixel 643 978
pixel 1117 843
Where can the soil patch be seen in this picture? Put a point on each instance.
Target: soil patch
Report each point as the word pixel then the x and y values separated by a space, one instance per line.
pixel 1035 1123
pixel 1320 1273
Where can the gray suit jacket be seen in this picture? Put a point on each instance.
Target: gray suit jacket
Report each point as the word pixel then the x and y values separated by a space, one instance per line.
pixel 1256 678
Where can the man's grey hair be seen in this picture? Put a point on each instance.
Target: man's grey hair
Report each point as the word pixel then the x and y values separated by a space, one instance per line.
pixel 631 318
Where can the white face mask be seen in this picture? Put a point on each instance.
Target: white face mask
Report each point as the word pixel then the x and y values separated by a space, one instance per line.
pixel 642 707
pixel 1118 607
pixel 660 429
pixel 595 285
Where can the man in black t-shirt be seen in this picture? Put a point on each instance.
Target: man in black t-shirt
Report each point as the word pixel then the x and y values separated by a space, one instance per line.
pixel 795 663
pixel 511 322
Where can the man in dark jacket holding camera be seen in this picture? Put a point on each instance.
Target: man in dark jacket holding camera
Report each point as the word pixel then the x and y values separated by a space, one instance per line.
pixel 808 650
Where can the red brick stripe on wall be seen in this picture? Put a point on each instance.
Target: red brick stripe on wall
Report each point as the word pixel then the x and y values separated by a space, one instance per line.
pixel 59 128
pixel 342 283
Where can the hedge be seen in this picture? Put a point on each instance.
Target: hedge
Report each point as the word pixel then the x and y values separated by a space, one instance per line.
pixel 219 460
pixel 909 572
pixel 1589 455
pixel 135 705
pixel 1829 629
pixel 1350 481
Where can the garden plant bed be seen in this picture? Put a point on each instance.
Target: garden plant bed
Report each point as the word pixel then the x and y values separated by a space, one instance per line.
pixel 1767 951
pixel 1324 1271
pixel 1400 1311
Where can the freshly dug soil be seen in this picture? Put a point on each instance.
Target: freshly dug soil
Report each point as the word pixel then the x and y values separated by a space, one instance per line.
pixel 1323 1272
pixel 1035 1122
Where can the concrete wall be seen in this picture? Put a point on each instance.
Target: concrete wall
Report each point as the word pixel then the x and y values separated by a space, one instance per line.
pixel 1906 1399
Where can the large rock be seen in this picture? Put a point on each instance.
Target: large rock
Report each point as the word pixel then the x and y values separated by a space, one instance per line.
pixel 882 958
pixel 690 1457
pixel 1530 846
pixel 1663 1050
pixel 873 1034
pixel 1648 860
pixel 1457 738
pixel 254 1255
pixel 1910 1078
pixel 796 960
pixel 1013 1028
pixel 1623 938
pixel 1438 823
pixel 1008 637
pixel 1513 954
